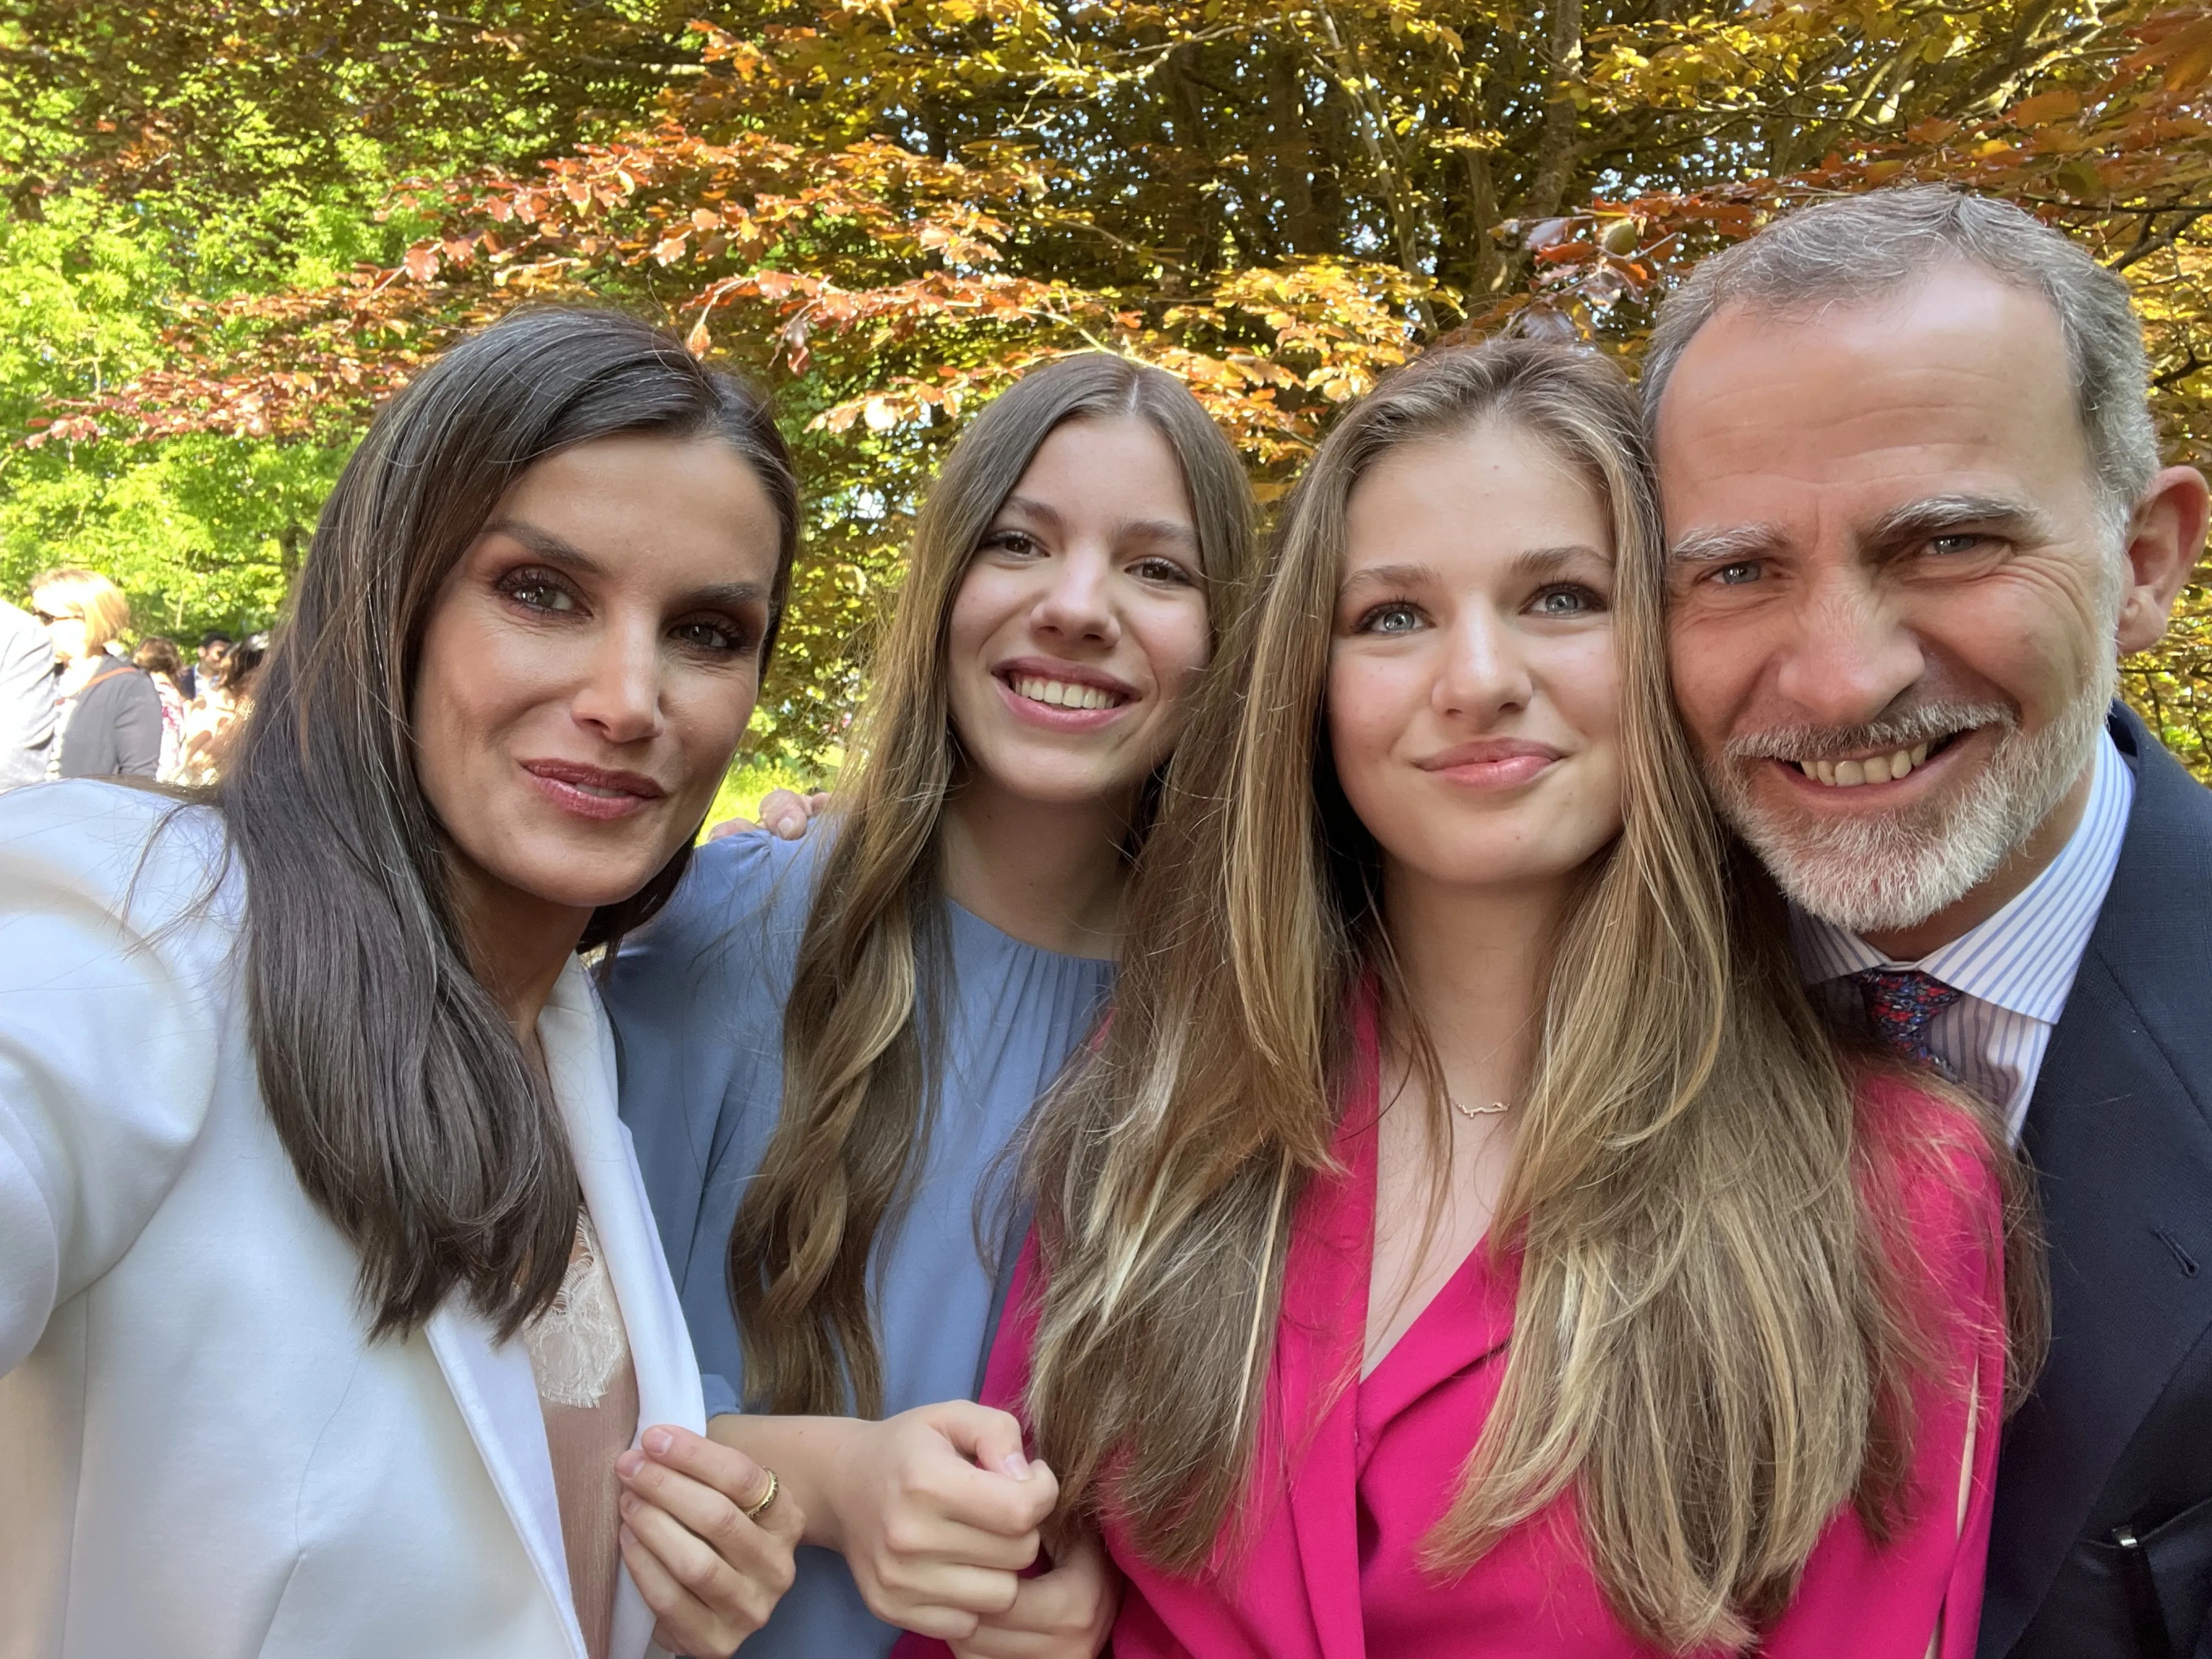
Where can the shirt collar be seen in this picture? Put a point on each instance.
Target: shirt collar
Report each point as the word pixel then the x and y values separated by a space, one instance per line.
pixel 2023 959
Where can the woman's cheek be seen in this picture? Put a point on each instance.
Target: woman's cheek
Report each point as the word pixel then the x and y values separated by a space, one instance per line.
pixel 711 716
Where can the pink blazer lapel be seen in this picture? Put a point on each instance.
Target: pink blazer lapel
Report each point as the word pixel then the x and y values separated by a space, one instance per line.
pixel 1317 1351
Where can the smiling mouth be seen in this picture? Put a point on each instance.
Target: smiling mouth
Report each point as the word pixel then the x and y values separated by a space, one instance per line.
pixel 1858 770
pixel 1063 693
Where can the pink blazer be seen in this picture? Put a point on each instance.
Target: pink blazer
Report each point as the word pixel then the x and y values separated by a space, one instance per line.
pixel 1363 1469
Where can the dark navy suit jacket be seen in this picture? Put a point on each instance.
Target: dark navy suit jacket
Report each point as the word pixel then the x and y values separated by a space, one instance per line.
pixel 2119 1431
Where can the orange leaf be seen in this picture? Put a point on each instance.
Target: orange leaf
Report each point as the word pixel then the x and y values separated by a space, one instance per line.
pixel 2045 107
pixel 2186 53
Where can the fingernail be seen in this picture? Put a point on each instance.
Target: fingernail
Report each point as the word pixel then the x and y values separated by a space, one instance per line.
pixel 658 1442
pixel 628 1464
pixel 629 1503
pixel 1014 1464
pixel 629 1537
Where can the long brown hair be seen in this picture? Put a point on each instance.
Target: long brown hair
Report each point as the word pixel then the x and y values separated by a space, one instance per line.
pixel 857 1091
pixel 396 1083
pixel 1713 1341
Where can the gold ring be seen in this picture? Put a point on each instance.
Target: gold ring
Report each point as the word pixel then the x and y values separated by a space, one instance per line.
pixel 767 1499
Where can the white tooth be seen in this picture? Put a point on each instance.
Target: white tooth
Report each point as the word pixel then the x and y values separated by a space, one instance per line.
pixel 1825 770
pixel 1919 753
pixel 1055 693
pixel 1093 697
pixel 1850 774
pixel 1876 767
pixel 1033 689
pixel 1806 767
pixel 1901 762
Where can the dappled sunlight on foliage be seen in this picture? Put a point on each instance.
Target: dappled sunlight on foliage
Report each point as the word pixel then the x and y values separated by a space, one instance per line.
pixel 888 210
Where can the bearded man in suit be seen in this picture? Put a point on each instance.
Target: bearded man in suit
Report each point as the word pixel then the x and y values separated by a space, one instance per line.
pixel 1916 513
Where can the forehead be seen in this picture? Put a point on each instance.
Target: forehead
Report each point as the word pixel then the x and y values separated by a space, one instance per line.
pixel 1956 386
pixel 1108 466
pixel 1490 488
pixel 640 496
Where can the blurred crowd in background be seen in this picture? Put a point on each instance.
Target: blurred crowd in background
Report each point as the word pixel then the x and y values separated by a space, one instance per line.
pixel 82 695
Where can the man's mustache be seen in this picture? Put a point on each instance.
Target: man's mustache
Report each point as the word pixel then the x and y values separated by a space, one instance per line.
pixel 1906 728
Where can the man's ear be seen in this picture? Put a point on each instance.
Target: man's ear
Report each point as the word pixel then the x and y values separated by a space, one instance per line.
pixel 2164 543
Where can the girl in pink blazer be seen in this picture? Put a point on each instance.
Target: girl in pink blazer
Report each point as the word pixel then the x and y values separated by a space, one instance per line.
pixel 1464 1239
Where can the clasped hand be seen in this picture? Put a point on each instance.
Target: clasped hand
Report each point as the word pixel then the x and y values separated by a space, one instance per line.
pixel 938 1512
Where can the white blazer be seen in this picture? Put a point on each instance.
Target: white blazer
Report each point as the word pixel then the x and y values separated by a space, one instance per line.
pixel 201 1455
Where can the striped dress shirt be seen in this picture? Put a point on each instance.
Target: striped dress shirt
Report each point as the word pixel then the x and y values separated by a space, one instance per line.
pixel 2013 970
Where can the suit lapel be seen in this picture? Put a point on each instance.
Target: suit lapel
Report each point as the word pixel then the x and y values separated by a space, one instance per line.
pixel 580 1057
pixel 2123 1153
pixel 497 1394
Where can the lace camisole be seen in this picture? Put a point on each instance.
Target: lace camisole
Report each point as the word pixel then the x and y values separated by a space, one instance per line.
pixel 587 1390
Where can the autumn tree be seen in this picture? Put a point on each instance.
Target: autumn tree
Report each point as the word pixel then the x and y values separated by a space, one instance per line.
pixel 889 209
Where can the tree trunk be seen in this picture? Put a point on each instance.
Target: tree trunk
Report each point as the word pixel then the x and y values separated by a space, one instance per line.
pixel 1293 152
pixel 1555 146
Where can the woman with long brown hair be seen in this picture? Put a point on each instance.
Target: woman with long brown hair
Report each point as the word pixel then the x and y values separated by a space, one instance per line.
pixel 1464 1238
pixel 827 1044
pixel 332 1320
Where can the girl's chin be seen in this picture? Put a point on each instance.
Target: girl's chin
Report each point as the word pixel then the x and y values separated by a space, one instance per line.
pixel 1516 867
pixel 1060 789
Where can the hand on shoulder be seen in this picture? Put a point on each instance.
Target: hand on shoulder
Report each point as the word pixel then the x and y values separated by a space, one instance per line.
pixel 784 813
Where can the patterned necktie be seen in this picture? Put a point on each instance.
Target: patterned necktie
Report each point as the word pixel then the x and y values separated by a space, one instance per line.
pixel 1899 1003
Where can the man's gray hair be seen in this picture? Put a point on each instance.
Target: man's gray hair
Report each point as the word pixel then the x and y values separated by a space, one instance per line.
pixel 1860 249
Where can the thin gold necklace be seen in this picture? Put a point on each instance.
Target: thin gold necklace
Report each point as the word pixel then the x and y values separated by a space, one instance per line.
pixel 1490 1110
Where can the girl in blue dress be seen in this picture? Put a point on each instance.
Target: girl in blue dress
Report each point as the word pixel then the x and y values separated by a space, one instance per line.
pixel 827 1045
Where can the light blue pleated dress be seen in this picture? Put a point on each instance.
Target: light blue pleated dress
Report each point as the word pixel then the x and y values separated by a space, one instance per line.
pixel 697 1003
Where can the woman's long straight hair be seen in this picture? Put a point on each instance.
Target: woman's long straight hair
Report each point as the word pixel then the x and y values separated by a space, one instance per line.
pixel 857 1091
pixel 395 1083
pixel 1714 1337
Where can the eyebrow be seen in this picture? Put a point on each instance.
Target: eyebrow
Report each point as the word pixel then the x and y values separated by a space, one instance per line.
pixel 1934 514
pixel 1390 575
pixel 1158 530
pixel 1548 561
pixel 1931 515
pixel 546 545
pixel 1721 546
pixel 557 551
pixel 1527 565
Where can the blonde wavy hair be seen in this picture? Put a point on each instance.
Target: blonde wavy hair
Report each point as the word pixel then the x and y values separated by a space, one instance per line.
pixel 1715 1336
pixel 860 1021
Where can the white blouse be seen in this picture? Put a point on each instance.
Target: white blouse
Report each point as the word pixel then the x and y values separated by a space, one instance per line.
pixel 201 1456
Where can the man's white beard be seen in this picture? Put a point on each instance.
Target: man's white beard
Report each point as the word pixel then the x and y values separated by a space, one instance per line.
pixel 1882 874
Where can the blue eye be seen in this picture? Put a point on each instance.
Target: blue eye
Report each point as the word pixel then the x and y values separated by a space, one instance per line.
pixel 1568 599
pixel 1395 618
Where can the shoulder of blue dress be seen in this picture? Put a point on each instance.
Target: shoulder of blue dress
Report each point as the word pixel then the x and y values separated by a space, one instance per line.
pixel 750 876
